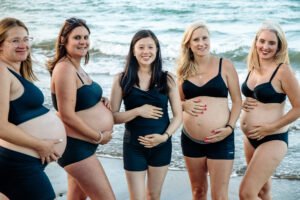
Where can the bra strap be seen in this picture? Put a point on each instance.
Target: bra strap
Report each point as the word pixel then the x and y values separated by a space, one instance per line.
pixel 80 78
pixel 274 73
pixel 220 65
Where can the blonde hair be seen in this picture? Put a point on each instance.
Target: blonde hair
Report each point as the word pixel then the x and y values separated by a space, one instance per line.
pixel 26 66
pixel 281 55
pixel 186 63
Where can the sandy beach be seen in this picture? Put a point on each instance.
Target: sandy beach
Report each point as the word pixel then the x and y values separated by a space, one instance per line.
pixel 176 186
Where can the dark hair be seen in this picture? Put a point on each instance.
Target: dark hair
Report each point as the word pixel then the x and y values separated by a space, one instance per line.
pixel 130 78
pixel 26 66
pixel 62 39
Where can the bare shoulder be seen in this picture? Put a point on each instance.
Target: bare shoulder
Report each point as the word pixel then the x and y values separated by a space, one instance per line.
pixel 4 73
pixel 227 64
pixel 118 77
pixel 285 73
pixel 64 67
pixel 171 79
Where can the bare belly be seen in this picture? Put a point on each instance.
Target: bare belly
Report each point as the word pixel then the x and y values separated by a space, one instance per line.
pixel 47 126
pixel 262 114
pixel 216 116
pixel 98 117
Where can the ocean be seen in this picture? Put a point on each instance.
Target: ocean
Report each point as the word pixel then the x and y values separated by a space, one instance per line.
pixel 232 25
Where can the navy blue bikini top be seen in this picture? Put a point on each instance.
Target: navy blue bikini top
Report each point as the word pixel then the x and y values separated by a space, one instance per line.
pixel 87 96
pixel 264 92
pixel 215 87
pixel 143 126
pixel 29 105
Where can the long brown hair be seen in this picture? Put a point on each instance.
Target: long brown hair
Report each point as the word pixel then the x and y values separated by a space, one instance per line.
pixel 26 66
pixel 62 39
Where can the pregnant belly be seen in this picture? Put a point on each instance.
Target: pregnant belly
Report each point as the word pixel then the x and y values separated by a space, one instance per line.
pixel 47 126
pixel 250 120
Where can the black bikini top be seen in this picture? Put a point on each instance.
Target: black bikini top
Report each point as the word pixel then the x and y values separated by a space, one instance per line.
pixel 264 92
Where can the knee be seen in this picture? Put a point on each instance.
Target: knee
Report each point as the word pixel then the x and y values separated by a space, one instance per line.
pixel 199 192
pixel 265 192
pixel 245 193
pixel 153 196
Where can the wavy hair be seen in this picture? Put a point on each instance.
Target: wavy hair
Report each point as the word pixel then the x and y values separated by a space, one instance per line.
pixel 7 24
pixel 281 55
pixel 62 39
pixel 186 63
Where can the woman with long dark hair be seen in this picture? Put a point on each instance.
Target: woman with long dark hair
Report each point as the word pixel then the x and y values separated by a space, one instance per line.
pixel 146 90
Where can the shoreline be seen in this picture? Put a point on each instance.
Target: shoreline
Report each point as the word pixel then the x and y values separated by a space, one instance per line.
pixel 176 185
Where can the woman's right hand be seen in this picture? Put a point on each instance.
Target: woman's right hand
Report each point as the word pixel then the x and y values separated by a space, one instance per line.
pixel 47 152
pixel 149 111
pixel 106 136
pixel 249 104
pixel 194 107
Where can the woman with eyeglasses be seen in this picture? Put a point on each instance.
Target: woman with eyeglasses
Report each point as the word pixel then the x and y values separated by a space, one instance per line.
pixel 85 112
pixel 30 135
pixel 264 120
pixel 146 91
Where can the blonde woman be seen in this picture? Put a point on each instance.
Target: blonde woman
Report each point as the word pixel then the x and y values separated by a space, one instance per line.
pixel 263 120
pixel 207 137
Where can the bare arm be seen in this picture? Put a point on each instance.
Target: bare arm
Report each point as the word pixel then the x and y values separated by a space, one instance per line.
pixel 65 87
pixel 291 88
pixel 12 133
pixel 235 94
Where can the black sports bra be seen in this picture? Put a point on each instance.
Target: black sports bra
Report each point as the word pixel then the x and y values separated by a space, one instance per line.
pixel 264 92
pixel 215 87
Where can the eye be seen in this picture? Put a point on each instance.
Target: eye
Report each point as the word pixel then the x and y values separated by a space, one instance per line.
pixel 205 38
pixel 86 37
pixel 77 37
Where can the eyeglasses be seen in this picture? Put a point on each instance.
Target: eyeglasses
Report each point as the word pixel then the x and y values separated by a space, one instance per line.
pixel 17 41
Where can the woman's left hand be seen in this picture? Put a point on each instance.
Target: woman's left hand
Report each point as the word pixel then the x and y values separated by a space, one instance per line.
pixel 261 131
pixel 106 102
pixel 152 140
pixel 218 135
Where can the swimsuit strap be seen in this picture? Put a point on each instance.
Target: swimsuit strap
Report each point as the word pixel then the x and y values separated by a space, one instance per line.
pixel 80 78
pixel 220 65
pixel 274 73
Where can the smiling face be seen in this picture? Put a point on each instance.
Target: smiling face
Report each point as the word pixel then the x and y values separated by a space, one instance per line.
pixel 199 42
pixel 266 45
pixel 78 42
pixel 15 47
pixel 145 51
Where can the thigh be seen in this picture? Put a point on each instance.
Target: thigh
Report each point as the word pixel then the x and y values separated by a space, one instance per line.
pixel 75 192
pixel 156 177
pixel 91 177
pixel 197 170
pixel 219 173
pixel 136 184
pixel 263 163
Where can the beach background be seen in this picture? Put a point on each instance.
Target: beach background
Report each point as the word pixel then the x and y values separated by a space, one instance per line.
pixel 232 24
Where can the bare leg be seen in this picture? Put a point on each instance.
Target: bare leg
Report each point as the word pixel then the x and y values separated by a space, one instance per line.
pixel 197 169
pixel 90 176
pixel 156 177
pixel 219 171
pixel 262 163
pixel 74 190
pixel 136 184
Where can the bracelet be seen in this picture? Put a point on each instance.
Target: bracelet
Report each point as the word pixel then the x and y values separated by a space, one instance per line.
pixel 168 134
pixel 228 125
pixel 101 137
